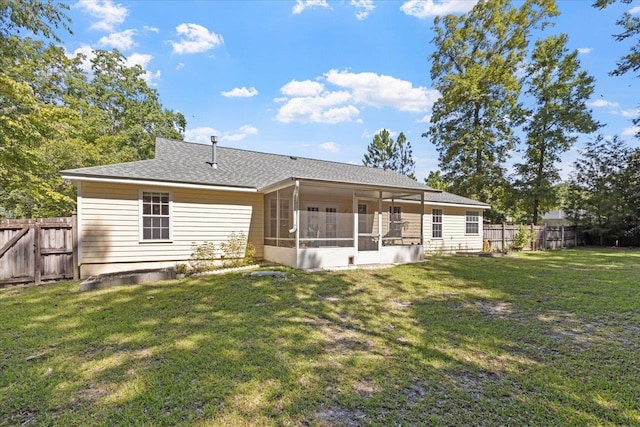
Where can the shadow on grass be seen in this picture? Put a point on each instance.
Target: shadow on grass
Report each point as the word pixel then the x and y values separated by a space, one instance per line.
pixel 535 340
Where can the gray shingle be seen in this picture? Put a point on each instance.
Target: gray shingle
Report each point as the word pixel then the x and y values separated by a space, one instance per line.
pixel 185 162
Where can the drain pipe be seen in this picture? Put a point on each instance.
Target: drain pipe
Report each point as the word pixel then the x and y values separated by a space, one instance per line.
pixel 296 192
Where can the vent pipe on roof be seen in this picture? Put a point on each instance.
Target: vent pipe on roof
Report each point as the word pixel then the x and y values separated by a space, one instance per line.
pixel 214 157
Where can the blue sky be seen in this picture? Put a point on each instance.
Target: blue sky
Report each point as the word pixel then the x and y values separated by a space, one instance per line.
pixel 319 78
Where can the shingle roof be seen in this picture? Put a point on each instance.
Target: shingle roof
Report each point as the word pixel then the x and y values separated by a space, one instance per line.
pixel 186 162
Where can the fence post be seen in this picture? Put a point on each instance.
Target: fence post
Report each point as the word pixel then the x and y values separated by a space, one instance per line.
pixel 562 236
pixel 504 243
pixel 74 244
pixel 533 239
pixel 575 230
pixel 37 256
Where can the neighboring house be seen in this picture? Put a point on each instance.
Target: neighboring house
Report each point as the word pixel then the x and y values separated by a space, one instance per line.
pixel 299 212
pixel 555 218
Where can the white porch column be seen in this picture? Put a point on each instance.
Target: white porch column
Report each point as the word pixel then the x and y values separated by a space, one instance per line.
pixel 355 219
pixel 379 221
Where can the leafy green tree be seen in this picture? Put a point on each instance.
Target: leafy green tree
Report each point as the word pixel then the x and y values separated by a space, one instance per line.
pixel 435 180
pixel 475 66
pixel 387 154
pixel 598 188
pixel 559 91
pixel 630 25
pixel 35 16
pixel 132 115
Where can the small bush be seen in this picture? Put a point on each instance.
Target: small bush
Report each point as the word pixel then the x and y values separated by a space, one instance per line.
pixel 236 251
pixel 203 257
pixel 523 238
pixel 181 268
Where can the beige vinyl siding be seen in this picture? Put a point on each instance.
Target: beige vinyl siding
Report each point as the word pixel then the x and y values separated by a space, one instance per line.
pixel 454 237
pixel 110 230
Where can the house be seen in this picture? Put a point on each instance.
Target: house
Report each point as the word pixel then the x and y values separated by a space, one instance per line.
pixel 299 212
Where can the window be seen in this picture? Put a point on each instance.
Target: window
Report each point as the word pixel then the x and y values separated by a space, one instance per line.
pixel 436 223
pixel 472 222
pixel 156 216
pixel 395 221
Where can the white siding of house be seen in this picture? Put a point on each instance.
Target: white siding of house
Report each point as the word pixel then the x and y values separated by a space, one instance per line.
pixel 454 237
pixel 109 225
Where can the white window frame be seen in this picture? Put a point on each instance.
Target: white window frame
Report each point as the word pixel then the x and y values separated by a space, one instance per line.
pixel 472 218
pixel 434 215
pixel 141 216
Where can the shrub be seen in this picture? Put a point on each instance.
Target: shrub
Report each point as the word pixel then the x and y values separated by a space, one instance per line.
pixel 203 257
pixel 237 251
pixel 523 238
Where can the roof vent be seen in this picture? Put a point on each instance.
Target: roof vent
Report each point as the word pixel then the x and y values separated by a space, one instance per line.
pixel 214 158
pixel 293 157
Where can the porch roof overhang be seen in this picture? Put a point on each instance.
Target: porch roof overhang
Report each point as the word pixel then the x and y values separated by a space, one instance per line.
pixel 362 189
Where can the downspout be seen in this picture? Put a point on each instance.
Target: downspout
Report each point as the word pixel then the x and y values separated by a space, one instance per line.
pixel 296 191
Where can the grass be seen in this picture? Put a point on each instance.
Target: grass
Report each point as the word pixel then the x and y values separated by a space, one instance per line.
pixel 549 338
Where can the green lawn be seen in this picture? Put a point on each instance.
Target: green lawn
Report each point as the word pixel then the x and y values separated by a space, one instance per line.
pixel 550 338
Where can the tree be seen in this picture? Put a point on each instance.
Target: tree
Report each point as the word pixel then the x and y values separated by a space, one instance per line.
pixel 475 67
pixel 387 154
pixel 435 180
pixel 630 28
pixel 630 62
pixel 559 90
pixel 36 16
pixel 598 188
pixel 131 116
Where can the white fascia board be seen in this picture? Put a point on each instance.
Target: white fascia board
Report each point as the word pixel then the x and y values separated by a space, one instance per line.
pixel 160 183
pixel 453 205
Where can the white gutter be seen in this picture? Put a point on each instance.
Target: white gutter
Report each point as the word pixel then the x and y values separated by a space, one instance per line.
pixel 160 183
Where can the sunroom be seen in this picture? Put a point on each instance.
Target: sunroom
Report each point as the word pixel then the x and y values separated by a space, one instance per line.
pixel 320 224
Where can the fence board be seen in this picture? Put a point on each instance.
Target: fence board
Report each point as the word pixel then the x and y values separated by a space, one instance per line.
pixel 502 236
pixel 32 250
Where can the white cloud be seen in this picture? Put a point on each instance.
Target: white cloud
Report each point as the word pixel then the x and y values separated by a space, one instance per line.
pixel 240 92
pixel 584 50
pixel 303 88
pixel 630 113
pixel 122 40
pixel 311 102
pixel 327 107
pixel 239 134
pixel 631 131
pixel 634 10
pixel 109 15
pixel 195 39
pixel 425 119
pixel 151 29
pixel 364 8
pixel 601 103
pixel 384 91
pixel 330 146
pixel 429 8
pixel 201 135
pixel 180 66
pixel 306 4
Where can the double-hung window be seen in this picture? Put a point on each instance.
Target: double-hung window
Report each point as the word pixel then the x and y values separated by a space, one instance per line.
pixel 472 222
pixel 155 218
pixel 436 223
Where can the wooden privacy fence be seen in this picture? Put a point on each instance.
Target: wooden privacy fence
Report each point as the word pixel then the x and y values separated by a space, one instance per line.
pixel 502 236
pixel 35 250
